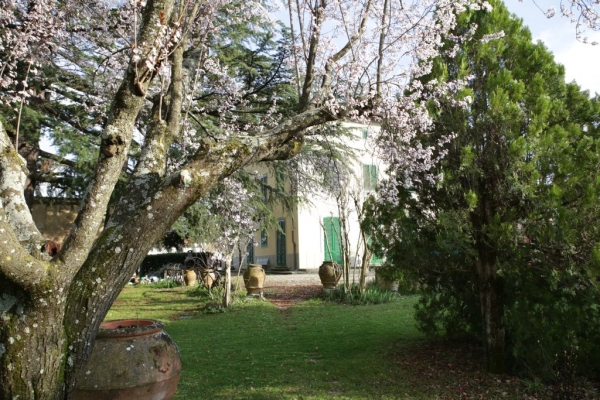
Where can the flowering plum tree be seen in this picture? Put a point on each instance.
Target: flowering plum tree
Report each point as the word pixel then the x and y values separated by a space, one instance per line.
pixel 584 14
pixel 142 77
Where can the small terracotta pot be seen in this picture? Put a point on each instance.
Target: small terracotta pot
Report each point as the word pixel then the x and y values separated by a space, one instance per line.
pixel 254 278
pixel 330 273
pixel 131 359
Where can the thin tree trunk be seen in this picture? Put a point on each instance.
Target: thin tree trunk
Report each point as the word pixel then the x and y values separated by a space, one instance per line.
pixel 364 266
pixel 227 294
pixel 30 153
pixel 342 203
pixel 491 294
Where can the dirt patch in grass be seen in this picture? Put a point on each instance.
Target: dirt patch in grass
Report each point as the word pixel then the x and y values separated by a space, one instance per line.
pixel 284 297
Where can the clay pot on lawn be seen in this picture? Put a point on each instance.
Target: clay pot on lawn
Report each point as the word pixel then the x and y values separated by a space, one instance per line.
pixel 254 278
pixel 189 277
pixel 131 359
pixel 391 285
pixel 208 277
pixel 330 273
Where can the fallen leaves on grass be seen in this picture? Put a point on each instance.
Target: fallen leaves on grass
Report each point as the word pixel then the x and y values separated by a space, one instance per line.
pixel 454 370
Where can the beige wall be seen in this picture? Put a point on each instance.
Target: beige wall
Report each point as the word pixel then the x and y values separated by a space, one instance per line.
pixel 54 217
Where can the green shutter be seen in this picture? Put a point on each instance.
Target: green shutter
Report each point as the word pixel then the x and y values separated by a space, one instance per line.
pixel 333 240
pixel 369 177
pixel 281 249
pixel 376 258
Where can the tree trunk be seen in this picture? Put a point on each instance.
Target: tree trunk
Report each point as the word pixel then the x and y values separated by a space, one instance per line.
pixel 30 154
pixel 364 265
pixel 32 347
pixel 491 295
pixel 227 294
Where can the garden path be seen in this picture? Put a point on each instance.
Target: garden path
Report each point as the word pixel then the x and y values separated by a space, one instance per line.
pixel 284 291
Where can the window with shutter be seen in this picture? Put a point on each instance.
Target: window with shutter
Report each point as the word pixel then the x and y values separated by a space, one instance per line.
pixel 369 177
pixel 332 239
pixel 263 239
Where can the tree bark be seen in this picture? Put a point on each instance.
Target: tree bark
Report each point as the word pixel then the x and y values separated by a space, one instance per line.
pixel 30 153
pixel 491 295
pixel 364 265
pixel 32 342
pixel 21 372
pixel 227 295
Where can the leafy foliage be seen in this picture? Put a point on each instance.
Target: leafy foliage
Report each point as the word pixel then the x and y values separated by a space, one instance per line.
pixel 373 294
pixel 503 242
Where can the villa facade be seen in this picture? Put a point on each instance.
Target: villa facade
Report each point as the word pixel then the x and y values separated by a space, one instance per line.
pixel 310 233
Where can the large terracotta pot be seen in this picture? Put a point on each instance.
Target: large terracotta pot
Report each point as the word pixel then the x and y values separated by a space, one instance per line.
pixel 386 283
pixel 254 278
pixel 131 359
pixel 391 285
pixel 189 277
pixel 208 277
pixel 330 273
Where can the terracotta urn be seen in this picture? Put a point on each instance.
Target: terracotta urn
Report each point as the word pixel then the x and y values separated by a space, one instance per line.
pixel 208 277
pixel 189 277
pixel 254 278
pixel 131 359
pixel 330 273
pixel 391 285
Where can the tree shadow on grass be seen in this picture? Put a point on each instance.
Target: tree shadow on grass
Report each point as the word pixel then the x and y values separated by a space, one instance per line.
pixel 451 369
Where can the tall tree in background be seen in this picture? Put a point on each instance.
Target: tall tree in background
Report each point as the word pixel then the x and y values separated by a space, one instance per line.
pixel 151 62
pixel 513 203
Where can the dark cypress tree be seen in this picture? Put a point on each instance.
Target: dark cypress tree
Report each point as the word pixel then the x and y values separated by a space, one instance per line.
pixel 511 224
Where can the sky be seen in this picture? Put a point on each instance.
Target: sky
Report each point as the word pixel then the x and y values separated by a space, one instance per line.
pixel 581 61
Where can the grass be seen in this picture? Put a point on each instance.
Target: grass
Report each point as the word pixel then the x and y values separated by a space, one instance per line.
pixel 313 350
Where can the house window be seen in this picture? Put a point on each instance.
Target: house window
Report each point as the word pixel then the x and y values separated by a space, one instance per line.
pixel 365 133
pixel 280 180
pixel 264 187
pixel 250 251
pixel 263 239
pixel 370 177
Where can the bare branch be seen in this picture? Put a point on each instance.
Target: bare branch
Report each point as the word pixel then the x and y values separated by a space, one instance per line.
pixel 347 47
pixel 13 173
pixel 116 139
pixel 313 49
pixel 382 37
pixel 56 158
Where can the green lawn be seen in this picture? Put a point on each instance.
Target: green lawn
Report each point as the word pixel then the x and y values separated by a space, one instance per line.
pixel 314 350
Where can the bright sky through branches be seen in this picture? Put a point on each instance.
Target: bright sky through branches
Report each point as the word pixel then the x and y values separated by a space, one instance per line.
pixel 558 34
